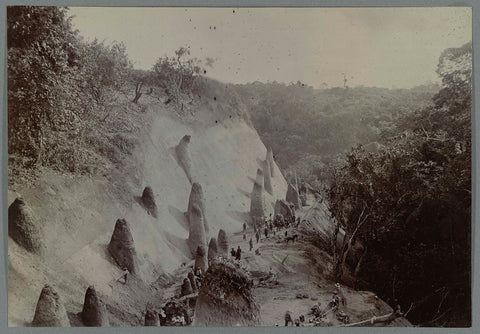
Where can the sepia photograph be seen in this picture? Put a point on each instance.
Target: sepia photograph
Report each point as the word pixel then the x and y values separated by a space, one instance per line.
pixel 239 166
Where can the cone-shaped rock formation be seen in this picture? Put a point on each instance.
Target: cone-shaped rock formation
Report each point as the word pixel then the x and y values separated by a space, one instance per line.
pixel 267 177
pixel 22 228
pixel 148 201
pixel 292 196
pixel 222 243
pixel 122 247
pixel 193 282
pixel 220 304
pixel 196 197
pixel 50 311
pixel 151 318
pixel 257 210
pixel 212 250
pixel 184 156
pixel 186 287
pixel 284 208
pixel 94 313
pixel 201 261
pixel 269 158
pixel 196 236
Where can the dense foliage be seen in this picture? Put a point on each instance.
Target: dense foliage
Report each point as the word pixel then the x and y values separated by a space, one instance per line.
pixel 59 86
pixel 409 204
pixel 177 75
pixel 306 126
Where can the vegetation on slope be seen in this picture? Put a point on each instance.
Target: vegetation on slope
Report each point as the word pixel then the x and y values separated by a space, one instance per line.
pixel 409 204
pixel 306 127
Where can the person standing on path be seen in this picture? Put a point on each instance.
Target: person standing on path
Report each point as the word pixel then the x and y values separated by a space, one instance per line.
pixel 251 244
pixel 239 253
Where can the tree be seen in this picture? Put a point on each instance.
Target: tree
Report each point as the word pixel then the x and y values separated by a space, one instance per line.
pixel 43 62
pixel 177 75
pixel 105 67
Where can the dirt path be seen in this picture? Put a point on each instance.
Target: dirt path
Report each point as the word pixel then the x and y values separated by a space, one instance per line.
pixel 302 274
pixel 301 281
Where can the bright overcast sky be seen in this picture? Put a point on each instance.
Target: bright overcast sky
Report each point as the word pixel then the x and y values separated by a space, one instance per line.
pixel 383 47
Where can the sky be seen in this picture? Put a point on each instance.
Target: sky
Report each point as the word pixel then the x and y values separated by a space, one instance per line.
pixel 381 47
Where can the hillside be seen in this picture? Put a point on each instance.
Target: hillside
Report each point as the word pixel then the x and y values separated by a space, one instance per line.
pixel 306 127
pixel 76 214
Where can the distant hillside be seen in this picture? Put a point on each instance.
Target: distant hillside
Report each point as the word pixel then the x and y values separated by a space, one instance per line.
pixel 306 125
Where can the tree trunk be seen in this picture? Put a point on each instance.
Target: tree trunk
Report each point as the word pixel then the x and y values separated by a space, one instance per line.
pixel 138 92
pixel 346 250
pixel 339 262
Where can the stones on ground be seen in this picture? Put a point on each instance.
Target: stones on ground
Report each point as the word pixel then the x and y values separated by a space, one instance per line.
pixel 22 227
pixel 197 198
pixel 201 261
pixel 293 197
pixel 184 156
pixel 226 298
pixel 284 209
pixel 267 178
pixel 222 243
pixel 196 235
pixel 186 288
pixel 257 203
pixel 94 313
pixel 193 282
pixel 50 311
pixel 148 201
pixel 122 247
pixel 270 160
pixel 212 250
pixel 151 318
